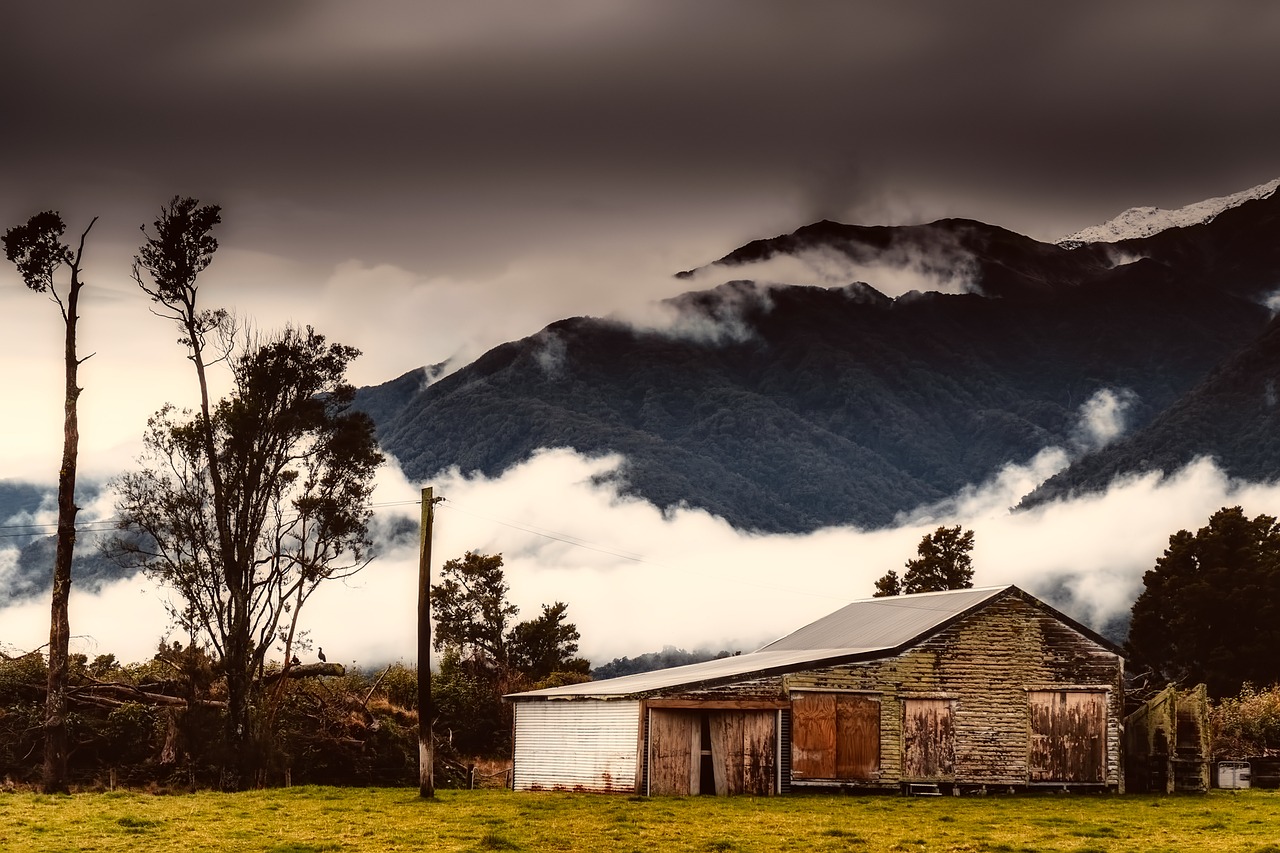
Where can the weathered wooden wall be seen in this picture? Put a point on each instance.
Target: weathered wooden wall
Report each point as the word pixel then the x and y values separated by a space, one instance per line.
pixel 742 745
pixel 1009 695
pixel 981 670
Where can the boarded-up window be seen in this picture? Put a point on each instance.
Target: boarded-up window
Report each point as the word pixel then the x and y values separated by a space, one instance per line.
pixel 835 736
pixel 1068 736
pixel 928 738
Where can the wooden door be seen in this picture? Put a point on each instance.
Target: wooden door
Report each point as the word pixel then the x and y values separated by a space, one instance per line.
pixel 675 752
pixel 744 751
pixel 928 739
pixel 835 736
pixel 1068 736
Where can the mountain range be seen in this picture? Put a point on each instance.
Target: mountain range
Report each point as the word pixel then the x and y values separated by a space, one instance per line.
pixel 798 385
pixel 784 406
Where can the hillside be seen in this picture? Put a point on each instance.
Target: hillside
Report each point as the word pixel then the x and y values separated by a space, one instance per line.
pixel 1232 416
pixel 824 406
pixel 30 548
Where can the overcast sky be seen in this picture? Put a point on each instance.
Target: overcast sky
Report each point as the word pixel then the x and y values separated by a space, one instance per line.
pixel 425 180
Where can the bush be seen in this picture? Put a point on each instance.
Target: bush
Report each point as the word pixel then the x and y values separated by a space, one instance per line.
pixel 1247 724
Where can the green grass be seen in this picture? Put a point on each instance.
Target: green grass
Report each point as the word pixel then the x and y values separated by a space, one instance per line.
pixel 333 820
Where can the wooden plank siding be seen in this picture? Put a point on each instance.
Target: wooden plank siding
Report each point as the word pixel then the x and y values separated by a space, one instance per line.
pixel 1068 736
pixel 675 752
pixel 965 706
pixel 742 746
pixel 744 752
pixel 928 739
pixel 984 663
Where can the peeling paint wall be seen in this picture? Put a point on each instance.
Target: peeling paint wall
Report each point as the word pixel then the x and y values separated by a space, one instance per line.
pixel 984 668
pixel 955 709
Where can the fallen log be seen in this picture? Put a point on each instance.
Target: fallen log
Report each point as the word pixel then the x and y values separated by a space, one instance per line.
pixel 306 670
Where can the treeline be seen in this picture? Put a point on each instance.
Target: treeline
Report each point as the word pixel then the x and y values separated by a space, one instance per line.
pixel 649 661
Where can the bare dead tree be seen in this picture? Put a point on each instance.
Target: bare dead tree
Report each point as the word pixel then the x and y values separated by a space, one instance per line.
pixel 37 250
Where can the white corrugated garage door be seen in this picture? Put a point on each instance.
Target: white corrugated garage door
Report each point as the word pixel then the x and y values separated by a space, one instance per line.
pixel 583 745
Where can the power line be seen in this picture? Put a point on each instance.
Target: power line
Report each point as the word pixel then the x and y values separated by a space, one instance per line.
pixel 101 524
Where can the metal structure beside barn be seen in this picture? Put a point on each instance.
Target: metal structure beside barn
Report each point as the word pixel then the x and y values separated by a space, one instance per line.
pixel 948 691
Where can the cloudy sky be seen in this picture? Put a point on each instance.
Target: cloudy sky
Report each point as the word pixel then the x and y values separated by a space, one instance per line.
pixel 424 180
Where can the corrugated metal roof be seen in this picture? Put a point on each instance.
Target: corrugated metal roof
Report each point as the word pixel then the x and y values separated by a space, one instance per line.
pixel 863 629
pixel 721 669
pixel 884 622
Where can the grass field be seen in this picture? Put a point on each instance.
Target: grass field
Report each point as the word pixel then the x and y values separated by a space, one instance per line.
pixel 311 820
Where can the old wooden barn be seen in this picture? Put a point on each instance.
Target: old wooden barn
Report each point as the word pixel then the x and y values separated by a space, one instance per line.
pixel 928 693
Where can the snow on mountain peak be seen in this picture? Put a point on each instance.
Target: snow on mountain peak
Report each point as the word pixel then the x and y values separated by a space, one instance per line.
pixel 1145 221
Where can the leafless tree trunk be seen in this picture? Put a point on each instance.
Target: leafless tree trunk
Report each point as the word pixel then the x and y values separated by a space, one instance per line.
pixel 37 250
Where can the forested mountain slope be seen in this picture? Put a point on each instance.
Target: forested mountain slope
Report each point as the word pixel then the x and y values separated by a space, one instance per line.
pixel 1232 416
pixel 819 406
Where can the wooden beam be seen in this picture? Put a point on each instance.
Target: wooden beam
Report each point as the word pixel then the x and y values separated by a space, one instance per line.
pixel 720 704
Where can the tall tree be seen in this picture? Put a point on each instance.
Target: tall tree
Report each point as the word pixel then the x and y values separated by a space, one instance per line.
pixel 297 467
pixel 547 644
pixel 245 507
pixel 942 562
pixel 470 608
pixel 1210 608
pixel 487 654
pixel 37 250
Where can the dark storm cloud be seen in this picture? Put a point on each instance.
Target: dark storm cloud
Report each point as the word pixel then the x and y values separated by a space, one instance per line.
pixel 438 178
pixel 419 130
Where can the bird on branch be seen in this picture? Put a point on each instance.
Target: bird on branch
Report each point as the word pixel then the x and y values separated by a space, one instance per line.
pixel 320 654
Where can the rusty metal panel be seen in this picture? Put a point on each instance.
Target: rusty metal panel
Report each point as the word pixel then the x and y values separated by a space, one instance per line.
pixel 576 746
pixel 675 752
pixel 1068 736
pixel 928 738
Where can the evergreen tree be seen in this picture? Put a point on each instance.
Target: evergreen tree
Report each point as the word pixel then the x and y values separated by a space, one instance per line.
pixel 1210 608
pixel 942 563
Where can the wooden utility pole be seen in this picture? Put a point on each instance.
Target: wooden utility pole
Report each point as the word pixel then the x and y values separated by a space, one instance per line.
pixel 426 710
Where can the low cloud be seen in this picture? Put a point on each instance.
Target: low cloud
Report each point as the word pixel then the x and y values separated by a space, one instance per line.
pixel 550 354
pixel 1272 301
pixel 1102 419
pixel 942 266
pixel 717 316
pixel 567 535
